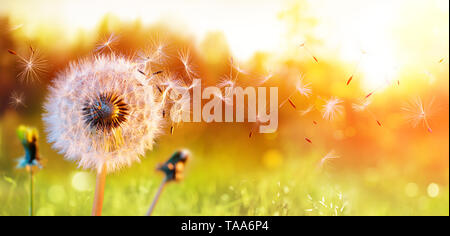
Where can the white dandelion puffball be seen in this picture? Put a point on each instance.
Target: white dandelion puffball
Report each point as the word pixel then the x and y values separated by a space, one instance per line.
pixel 102 112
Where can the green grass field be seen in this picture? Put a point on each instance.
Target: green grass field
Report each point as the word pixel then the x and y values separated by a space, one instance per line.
pixel 299 189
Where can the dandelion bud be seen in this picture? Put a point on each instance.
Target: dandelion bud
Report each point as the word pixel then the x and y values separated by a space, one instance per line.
pixel 174 167
pixel 29 138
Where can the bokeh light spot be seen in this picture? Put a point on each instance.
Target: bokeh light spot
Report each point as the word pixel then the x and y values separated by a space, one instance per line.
pixel 433 190
pixel 82 181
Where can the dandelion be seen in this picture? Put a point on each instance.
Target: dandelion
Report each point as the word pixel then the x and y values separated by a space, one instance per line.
pixel 418 113
pixel 329 156
pixel 32 67
pixel 29 138
pixel 107 43
pixel 17 99
pixel 332 108
pixel 103 115
pixel 173 171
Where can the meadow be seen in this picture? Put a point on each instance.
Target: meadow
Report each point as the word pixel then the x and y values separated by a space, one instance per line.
pixel 362 131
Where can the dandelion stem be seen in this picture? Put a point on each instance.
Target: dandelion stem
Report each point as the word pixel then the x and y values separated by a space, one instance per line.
pixel 99 191
pixel 31 191
pixel 158 194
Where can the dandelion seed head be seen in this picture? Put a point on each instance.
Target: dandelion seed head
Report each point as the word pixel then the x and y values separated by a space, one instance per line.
pixel 100 111
pixel 332 108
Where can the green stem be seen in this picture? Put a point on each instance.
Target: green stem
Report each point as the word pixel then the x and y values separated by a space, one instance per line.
pixel 158 194
pixel 31 192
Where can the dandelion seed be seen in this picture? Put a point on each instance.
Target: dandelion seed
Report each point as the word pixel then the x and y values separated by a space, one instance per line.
pixel 12 52
pixel 363 105
pixel 16 27
pixel 308 140
pixel 355 70
pixel 441 60
pixel 418 113
pixel 329 156
pixel 332 108
pixel 250 134
pixel 314 122
pixel 303 88
pixel 307 110
pixel 237 67
pixel 227 82
pixel 303 45
pixel 266 78
pixel 370 94
pixel 17 100
pixel 32 66
pixel 107 42
pixel 292 103
pixel 185 57
pixel 379 123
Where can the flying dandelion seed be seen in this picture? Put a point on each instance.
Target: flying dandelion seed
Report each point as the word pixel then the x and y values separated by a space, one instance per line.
pixel 16 27
pixel 107 43
pixel 355 70
pixel 332 108
pixel 303 45
pixel 418 113
pixel 227 81
pixel 307 110
pixel 185 57
pixel 266 78
pixel 328 157
pixel 101 113
pixel 292 103
pixel 17 100
pixel 237 67
pixel 308 140
pixel 441 60
pixel 32 67
pixel 303 88
pixel 155 53
pixel 363 105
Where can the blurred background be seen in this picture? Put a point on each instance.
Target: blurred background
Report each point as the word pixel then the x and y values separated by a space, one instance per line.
pixel 397 51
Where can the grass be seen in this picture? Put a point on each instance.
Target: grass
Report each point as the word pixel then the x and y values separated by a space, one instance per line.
pixel 295 189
